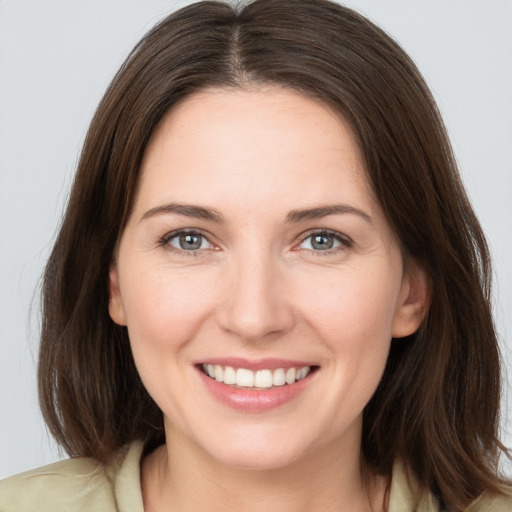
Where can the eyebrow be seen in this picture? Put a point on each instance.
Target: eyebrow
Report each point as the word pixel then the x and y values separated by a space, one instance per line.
pixel 188 210
pixel 324 211
pixel 294 216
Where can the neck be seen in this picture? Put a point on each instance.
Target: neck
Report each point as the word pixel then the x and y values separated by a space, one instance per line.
pixel 180 477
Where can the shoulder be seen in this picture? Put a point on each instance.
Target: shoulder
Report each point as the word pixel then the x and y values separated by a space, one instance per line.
pixel 492 504
pixel 406 495
pixel 74 484
pixel 61 486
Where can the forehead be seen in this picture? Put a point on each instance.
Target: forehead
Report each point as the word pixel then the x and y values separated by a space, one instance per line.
pixel 254 112
pixel 227 143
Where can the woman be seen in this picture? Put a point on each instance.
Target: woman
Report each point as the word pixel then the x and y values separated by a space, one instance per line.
pixel 269 288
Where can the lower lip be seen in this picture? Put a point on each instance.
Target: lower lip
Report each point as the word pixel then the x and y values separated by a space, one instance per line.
pixel 252 400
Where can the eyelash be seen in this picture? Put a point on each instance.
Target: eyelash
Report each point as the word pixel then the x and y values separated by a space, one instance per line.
pixel 165 241
pixel 344 241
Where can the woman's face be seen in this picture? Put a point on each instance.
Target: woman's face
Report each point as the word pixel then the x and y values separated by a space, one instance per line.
pixel 256 251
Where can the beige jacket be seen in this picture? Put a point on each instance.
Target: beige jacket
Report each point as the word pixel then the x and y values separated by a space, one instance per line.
pixel 81 484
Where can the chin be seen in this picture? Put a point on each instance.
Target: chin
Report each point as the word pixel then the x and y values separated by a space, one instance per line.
pixel 262 451
pixel 257 460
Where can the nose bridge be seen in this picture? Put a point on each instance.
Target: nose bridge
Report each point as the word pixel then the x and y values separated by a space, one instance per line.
pixel 255 305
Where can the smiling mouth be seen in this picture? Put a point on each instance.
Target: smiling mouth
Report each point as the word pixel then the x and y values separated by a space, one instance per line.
pixel 244 378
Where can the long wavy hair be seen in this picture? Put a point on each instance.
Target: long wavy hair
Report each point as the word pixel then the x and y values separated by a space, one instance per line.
pixel 437 406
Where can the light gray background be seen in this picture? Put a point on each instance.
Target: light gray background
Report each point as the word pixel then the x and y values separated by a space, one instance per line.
pixel 57 57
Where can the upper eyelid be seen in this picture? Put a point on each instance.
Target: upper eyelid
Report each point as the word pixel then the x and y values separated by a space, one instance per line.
pixel 176 232
pixel 320 231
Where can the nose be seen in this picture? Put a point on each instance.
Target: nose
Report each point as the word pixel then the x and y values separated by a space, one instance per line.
pixel 256 306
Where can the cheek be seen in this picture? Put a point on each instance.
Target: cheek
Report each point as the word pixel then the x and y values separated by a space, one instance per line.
pixel 353 318
pixel 165 308
pixel 353 305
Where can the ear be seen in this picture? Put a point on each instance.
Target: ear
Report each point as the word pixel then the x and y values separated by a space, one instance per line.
pixel 414 301
pixel 115 303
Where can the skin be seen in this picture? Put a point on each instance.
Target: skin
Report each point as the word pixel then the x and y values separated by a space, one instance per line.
pixel 257 288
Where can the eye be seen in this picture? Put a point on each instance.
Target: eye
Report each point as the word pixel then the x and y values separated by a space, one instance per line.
pixel 187 241
pixel 324 241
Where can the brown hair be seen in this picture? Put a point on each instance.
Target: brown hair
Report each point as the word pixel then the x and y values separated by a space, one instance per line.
pixel 438 402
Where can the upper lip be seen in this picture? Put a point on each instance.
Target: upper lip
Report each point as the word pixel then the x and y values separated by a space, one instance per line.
pixel 256 364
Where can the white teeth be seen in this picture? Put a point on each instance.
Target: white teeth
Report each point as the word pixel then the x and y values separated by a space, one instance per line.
pixel 278 377
pixel 244 378
pixel 290 375
pixel 229 375
pixel 261 379
pixel 302 372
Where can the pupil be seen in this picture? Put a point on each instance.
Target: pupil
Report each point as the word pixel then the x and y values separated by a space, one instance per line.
pixel 190 241
pixel 322 242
